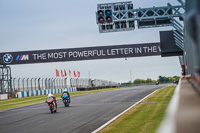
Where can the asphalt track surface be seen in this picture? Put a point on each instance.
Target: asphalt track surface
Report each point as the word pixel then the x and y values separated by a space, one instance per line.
pixel 85 114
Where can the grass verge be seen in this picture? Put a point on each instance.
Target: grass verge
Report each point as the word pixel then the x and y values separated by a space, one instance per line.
pixel 144 117
pixel 18 102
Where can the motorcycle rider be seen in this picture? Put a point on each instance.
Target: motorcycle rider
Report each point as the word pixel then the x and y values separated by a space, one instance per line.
pixel 54 98
pixel 66 92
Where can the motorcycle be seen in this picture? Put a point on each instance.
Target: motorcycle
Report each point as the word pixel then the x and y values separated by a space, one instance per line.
pixel 66 98
pixel 157 83
pixel 52 104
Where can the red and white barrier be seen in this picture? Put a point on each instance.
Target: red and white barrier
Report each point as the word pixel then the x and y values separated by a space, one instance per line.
pixel 4 96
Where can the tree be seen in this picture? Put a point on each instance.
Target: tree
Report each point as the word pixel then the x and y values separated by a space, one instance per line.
pixel 149 80
pixel 139 81
pixel 160 79
pixel 163 79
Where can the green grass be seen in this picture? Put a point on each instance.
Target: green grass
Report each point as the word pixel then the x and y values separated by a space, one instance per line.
pixel 144 117
pixel 18 102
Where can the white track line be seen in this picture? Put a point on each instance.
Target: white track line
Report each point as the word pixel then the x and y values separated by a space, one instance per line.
pixel 107 123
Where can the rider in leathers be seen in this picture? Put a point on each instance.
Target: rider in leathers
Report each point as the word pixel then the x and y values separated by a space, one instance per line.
pixel 54 98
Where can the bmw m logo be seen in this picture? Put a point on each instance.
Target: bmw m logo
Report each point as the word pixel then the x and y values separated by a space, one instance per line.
pixel 7 58
pixel 22 57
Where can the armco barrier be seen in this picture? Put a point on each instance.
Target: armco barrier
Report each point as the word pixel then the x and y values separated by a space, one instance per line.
pixel 43 92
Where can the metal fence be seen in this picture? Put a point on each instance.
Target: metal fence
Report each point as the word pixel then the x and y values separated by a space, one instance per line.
pixel 29 84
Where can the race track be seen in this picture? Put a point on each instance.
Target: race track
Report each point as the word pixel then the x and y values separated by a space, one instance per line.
pixel 85 114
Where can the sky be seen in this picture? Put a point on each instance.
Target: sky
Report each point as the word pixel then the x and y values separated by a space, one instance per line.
pixel 49 24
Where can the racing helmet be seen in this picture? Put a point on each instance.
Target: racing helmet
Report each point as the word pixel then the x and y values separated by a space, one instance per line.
pixel 65 91
pixel 50 95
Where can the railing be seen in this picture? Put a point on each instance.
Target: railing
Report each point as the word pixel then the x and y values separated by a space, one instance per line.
pixel 30 84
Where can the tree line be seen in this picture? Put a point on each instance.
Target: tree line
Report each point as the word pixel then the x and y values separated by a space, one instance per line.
pixel 161 79
pixel 164 79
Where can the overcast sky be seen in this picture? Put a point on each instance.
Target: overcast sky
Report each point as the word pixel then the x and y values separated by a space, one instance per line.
pixel 48 24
